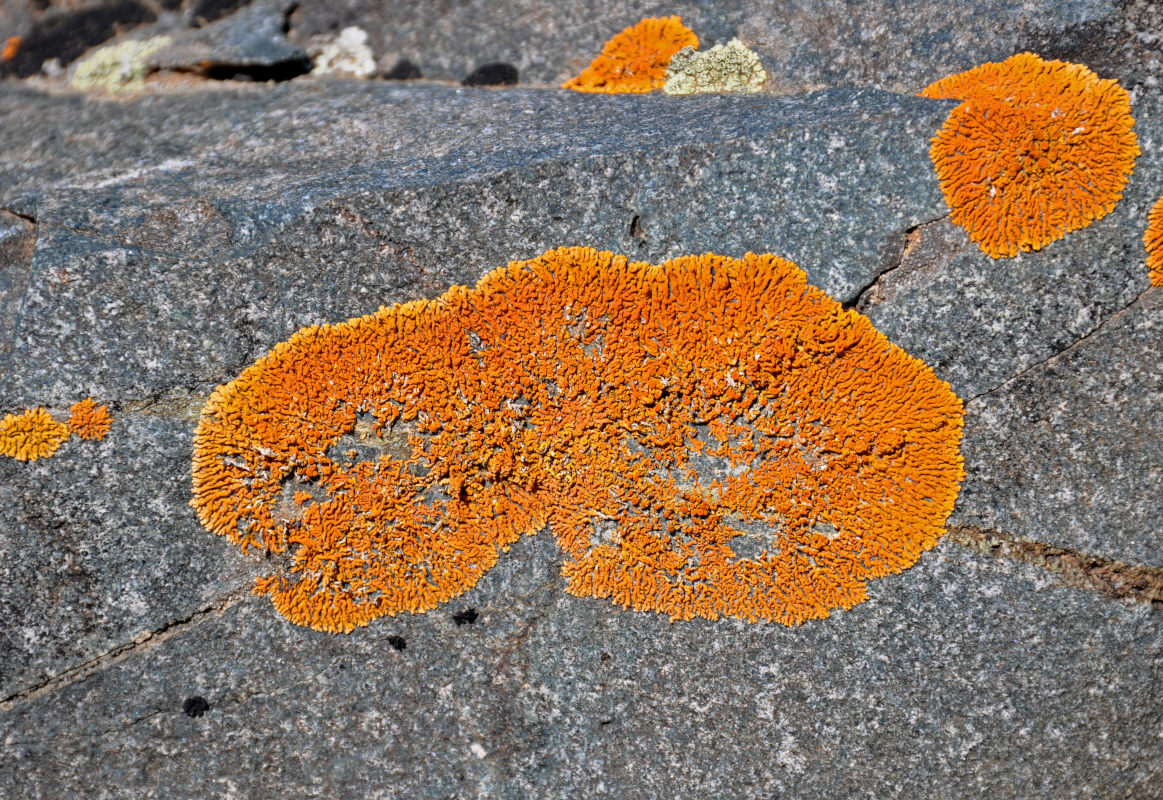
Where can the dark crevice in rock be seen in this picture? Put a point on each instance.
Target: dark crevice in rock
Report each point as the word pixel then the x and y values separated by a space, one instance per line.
pixel 1117 580
pixel 139 644
pixel 178 402
pixel 258 73
pixel 1067 349
pixel 869 294
pixel 26 217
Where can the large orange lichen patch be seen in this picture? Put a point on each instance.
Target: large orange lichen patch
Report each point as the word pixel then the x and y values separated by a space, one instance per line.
pixel 1035 150
pixel 31 435
pixel 706 437
pixel 635 60
pixel 1153 242
pixel 89 420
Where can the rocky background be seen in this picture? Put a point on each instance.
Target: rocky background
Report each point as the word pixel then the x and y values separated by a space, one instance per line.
pixel 154 244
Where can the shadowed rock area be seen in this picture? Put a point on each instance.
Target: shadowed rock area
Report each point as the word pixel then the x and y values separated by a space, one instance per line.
pixel 152 248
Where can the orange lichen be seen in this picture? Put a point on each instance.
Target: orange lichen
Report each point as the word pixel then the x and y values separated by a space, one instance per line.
pixel 89 420
pixel 706 437
pixel 1035 150
pixel 31 435
pixel 635 60
pixel 11 48
pixel 1153 242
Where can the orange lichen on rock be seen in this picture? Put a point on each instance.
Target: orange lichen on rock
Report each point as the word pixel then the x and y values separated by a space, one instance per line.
pixel 1153 242
pixel 404 531
pixel 720 438
pixel 89 420
pixel 1035 150
pixel 707 437
pixel 31 435
pixel 11 48
pixel 635 60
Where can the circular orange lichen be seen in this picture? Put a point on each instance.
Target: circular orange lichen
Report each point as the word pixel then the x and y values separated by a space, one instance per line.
pixel 706 437
pixel 1153 242
pixel 1035 150
pixel 89 420
pixel 31 435
pixel 635 60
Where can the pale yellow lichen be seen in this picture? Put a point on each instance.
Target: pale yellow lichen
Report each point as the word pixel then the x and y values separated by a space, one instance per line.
pixel 730 67
pixel 119 67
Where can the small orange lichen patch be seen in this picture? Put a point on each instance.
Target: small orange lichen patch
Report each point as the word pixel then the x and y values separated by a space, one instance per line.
pixel 89 420
pixel 1035 150
pixel 31 435
pixel 1153 241
pixel 635 60
pixel 11 48
pixel 706 437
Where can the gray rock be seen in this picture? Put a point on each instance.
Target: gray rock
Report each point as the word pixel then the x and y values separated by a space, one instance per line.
pixel 97 548
pixel 150 249
pixel 269 220
pixel 804 45
pixel 17 239
pixel 254 36
pixel 1072 453
pixel 965 676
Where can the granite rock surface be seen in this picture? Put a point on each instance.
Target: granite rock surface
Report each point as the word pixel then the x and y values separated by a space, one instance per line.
pixel 152 248
pixel 803 44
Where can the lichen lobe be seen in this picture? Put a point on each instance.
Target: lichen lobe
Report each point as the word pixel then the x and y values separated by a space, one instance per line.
pixel 706 437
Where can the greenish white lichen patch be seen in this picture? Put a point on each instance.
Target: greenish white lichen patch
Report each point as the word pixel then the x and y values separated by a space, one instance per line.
pixel 730 67
pixel 119 67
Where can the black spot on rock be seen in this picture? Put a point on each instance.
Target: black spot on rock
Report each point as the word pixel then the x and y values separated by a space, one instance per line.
pixel 67 35
pixel 195 706
pixel 404 70
pixel 397 642
pixel 494 74
pixel 466 617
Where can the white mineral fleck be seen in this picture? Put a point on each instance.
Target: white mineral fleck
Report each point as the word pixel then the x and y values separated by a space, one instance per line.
pixel 347 54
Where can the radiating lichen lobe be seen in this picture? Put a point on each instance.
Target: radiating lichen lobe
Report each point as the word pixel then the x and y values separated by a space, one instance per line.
pixel 706 437
pixel 635 60
pixel 1153 243
pixel 1036 149
pixel 31 435
pixel 89 420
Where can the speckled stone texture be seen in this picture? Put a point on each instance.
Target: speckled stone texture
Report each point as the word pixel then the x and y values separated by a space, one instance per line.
pixel 151 249
pixel 803 44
